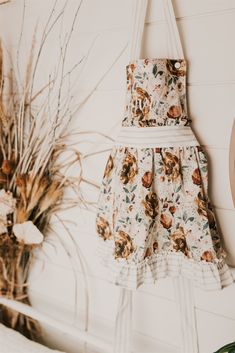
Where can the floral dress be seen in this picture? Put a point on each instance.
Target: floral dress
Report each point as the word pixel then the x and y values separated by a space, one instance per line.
pixel 154 217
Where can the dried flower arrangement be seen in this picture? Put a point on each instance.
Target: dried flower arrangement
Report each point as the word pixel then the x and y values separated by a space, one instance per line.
pixel 33 173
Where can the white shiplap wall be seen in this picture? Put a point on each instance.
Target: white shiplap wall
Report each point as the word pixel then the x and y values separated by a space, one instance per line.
pixel 207 29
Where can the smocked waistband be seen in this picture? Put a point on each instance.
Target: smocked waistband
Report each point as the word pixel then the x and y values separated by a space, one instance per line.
pixel 159 136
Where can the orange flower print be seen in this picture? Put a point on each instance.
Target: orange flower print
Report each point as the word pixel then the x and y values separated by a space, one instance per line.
pixel 206 210
pixel 196 177
pixel 158 149
pixel 211 217
pixel 208 256
pixel 130 77
pixel 150 250
pixel 174 112
pixel 172 209
pixel 200 148
pixel 202 204
pixel 147 179
pixel 141 104
pixel 179 241
pixel 155 245
pixel 109 166
pixel 103 228
pixel 151 204
pixel 123 245
pixel 129 168
pixel 172 167
pixel 166 221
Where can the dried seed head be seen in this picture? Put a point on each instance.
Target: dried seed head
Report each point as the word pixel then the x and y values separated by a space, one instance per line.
pixel 3 178
pixel 21 181
pixel 53 194
pixel 7 167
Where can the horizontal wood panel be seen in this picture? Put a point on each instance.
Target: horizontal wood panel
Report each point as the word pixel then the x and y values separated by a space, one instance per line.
pixel 149 314
pixel 103 112
pixel 91 18
pixel 212 112
pixel 55 283
pixel 59 283
pixel 188 9
pixel 216 302
pixel 219 186
pixel 99 326
pixel 201 69
pixel 84 59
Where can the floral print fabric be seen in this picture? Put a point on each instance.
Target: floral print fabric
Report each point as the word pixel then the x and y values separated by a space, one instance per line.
pixel 156 93
pixel 153 206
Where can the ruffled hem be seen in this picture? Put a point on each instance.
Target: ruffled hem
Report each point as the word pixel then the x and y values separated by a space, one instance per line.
pixel 205 275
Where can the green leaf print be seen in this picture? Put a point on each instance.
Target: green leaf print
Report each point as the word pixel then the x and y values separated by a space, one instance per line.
pixel 185 216
pixel 190 219
pixel 134 187
pixel 127 199
pixel 155 70
pixel 125 189
pixel 177 198
pixel 204 169
pixel 205 225
pixel 137 216
pixel 178 189
pixel 159 170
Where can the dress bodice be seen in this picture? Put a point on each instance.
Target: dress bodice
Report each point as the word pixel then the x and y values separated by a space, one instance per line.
pixel 156 93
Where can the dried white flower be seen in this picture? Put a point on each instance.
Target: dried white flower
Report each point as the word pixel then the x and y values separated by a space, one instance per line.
pixel 7 203
pixel 28 233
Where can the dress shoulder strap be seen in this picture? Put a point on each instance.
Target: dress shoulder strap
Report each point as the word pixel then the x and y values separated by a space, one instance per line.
pixel 173 31
pixel 137 28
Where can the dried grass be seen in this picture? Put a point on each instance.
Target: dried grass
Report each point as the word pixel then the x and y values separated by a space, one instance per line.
pixel 32 144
